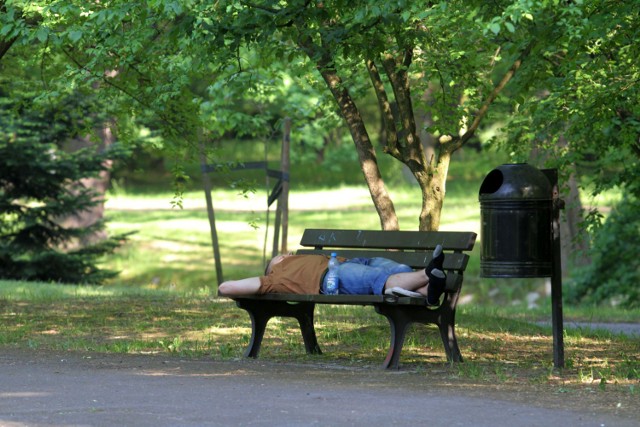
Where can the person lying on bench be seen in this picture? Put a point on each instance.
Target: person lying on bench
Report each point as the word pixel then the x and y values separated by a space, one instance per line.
pixel 304 274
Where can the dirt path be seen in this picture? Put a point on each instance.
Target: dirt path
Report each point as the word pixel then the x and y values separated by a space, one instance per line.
pixel 77 389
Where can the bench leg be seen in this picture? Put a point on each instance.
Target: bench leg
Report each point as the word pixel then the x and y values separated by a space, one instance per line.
pixel 399 322
pixel 258 326
pixel 304 314
pixel 400 317
pixel 447 327
pixel 450 342
pixel 261 312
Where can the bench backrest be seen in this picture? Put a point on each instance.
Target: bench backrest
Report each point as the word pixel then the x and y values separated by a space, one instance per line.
pixel 413 248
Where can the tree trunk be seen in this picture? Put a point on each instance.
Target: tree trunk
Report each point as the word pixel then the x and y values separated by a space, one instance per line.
pixel 433 193
pixel 98 184
pixel 366 152
pixel 575 241
pixel 5 46
pixel 402 139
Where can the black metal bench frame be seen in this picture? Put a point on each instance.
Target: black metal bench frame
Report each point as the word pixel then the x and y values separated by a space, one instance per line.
pixel 414 248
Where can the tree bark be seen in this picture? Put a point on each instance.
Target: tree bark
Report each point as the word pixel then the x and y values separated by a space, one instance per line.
pixel 433 192
pixel 400 132
pixel 98 184
pixel 405 144
pixel 366 153
pixel 575 240
pixel 5 46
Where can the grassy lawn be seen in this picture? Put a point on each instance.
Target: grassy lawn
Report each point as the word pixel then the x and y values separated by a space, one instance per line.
pixel 180 239
pixel 165 300
pixel 503 348
pixel 172 247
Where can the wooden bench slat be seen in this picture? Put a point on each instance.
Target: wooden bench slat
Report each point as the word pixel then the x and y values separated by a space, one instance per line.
pixel 452 261
pixel 451 240
pixel 339 299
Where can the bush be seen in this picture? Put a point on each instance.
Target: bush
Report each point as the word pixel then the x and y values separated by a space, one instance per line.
pixel 614 273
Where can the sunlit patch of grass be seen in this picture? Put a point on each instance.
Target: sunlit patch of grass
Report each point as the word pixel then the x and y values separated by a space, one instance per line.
pixel 172 247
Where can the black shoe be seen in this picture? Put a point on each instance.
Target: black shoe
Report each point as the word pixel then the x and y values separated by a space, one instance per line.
pixel 437 284
pixel 438 259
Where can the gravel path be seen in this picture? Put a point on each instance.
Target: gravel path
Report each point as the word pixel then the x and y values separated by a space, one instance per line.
pixel 74 389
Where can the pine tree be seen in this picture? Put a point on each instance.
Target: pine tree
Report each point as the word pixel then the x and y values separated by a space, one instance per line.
pixel 40 183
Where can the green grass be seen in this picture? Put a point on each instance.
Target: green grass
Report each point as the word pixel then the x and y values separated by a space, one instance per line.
pixel 500 345
pixel 503 347
pixel 172 246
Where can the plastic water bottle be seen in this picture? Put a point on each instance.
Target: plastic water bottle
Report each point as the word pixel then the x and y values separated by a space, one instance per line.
pixel 331 282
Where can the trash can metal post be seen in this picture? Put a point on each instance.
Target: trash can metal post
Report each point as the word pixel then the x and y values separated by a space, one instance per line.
pixel 557 322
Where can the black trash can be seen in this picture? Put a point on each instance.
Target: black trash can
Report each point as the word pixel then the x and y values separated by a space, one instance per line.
pixel 515 216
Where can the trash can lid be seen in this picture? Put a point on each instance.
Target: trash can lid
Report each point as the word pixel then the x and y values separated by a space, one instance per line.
pixel 515 181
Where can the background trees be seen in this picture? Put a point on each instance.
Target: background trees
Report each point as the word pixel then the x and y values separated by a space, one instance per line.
pixel 580 113
pixel 450 62
pixel 550 77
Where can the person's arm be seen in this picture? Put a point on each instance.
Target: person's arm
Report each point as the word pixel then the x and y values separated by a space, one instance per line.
pixel 248 286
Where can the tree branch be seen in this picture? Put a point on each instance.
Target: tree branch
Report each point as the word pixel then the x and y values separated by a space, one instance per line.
pixel 391 145
pixel 399 78
pixel 482 112
pixel 104 78
pixel 5 45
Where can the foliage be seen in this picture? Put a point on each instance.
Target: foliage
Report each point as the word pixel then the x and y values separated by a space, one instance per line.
pixel 614 274
pixel 576 98
pixel 562 74
pixel 576 102
pixel 389 55
pixel 193 65
pixel 40 185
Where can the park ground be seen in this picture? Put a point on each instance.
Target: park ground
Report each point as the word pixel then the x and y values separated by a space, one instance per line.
pixel 53 388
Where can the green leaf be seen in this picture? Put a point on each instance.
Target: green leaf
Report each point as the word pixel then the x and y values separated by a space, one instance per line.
pixel 495 28
pixel 6 29
pixel 75 35
pixel 175 7
pixel 510 27
pixel 42 34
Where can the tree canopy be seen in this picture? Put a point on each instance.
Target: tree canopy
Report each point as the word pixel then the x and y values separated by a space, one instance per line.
pixel 562 75
pixel 555 80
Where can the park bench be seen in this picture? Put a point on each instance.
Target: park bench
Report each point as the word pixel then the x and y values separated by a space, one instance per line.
pixel 413 248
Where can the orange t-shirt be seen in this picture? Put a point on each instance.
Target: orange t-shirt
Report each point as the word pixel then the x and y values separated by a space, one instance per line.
pixel 296 274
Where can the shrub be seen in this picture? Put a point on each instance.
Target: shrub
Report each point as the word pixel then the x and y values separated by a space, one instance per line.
pixel 614 273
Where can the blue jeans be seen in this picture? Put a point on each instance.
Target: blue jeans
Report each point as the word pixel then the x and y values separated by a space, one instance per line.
pixel 366 276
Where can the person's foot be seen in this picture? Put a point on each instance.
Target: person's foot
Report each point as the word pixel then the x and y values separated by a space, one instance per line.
pixel 437 284
pixel 401 292
pixel 437 259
